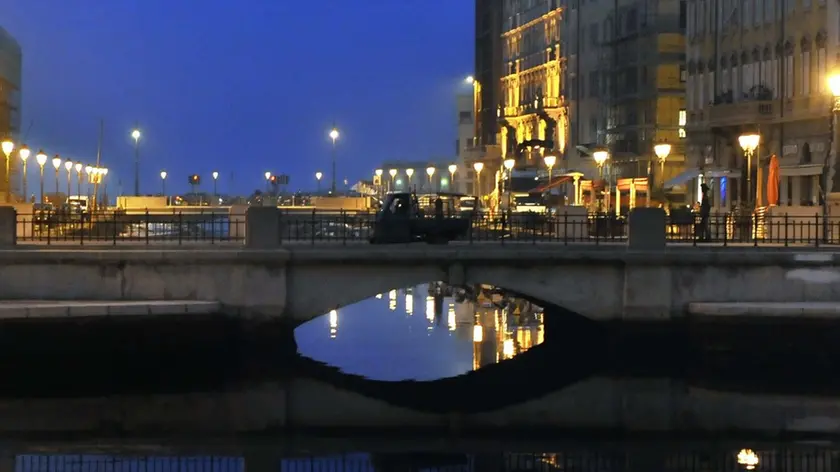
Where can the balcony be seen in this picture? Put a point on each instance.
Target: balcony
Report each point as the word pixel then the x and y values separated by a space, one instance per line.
pixel 742 113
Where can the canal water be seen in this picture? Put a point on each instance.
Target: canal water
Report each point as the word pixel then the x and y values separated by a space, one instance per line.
pixel 425 332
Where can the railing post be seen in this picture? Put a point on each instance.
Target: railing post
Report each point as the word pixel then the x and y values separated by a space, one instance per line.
pixel 646 229
pixel 181 226
pixel 343 227
pixel 312 232
pixel 816 230
pixel 115 227
pixel 566 228
pixel 262 227
pixel 147 226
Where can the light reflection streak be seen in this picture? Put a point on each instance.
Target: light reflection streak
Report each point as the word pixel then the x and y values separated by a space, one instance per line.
pixel 450 317
pixel 333 324
pixel 409 304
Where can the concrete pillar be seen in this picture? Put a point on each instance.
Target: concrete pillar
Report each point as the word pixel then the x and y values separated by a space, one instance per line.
pixel 577 189
pixel 236 222
pixel 262 227
pixel 632 195
pixel 646 229
pixel 8 226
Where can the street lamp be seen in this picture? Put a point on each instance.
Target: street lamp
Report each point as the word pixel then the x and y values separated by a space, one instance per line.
pixel 469 79
pixel 452 169
pixel 215 176
pixel 41 159
pixel 509 163
pixel 8 146
pixel 318 176
pixel 378 174
pixel 56 162
pixel 478 167
pixel 662 150
pixel 79 167
pixel 834 87
pixel 24 155
pixel 68 166
pixel 550 160
pixel 749 143
pixel 89 174
pixel 393 174
pixel 163 175
pixel 409 172
pixel 430 171
pixel 136 135
pixel 333 136
pixel 600 158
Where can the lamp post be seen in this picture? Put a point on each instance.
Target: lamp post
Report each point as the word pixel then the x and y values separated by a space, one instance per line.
pixel 409 173
pixel 393 174
pixel 333 136
pixel 8 146
pixel 550 160
pixel 89 174
pixel 828 173
pixel 215 176
pixel 662 150
pixel 135 134
pixel 478 167
pixel 452 169
pixel 68 166
pixel 163 175
pixel 749 143
pixel 41 159
pixel 56 162
pixel 509 163
pixel 24 155
pixel 318 176
pixel 430 171
pixel 600 158
pixel 79 167
pixel 104 173
pixel 378 174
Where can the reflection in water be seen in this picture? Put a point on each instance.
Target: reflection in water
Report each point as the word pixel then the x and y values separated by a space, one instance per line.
pixel 482 326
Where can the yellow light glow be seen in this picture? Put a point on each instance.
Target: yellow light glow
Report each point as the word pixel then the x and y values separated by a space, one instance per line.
pixel 409 304
pixel 478 166
pixel 318 175
pixel 135 134
pixel 68 166
pixel 834 85
pixel 409 172
pixel 451 321
pixel 509 163
pixel 24 153
pixel 469 79
pixel 600 157
pixel 79 166
pixel 748 458
pixel 749 142
pixel 334 134
pixel 378 172
pixel 452 169
pixel 41 158
pixel 56 162
pixel 163 174
pixel 478 334
pixel 550 160
pixel 662 150
pixel 508 348
pixel 88 170
pixel 333 319
pixel 8 146
pixel 430 308
pixel 430 171
pixel 392 173
pixel 392 295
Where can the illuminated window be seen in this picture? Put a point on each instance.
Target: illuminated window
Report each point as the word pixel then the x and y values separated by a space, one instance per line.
pixel 682 120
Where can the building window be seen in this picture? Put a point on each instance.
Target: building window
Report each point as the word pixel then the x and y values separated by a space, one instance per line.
pixel 789 76
pixel 682 74
pixel 681 120
pixel 806 72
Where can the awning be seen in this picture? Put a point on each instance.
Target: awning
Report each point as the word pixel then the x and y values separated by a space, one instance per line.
pixel 554 183
pixel 683 178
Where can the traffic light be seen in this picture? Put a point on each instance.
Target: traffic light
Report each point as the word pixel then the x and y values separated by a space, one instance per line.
pixel 195 179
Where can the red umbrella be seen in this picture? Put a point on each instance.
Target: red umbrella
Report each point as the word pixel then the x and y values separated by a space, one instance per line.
pixel 773 181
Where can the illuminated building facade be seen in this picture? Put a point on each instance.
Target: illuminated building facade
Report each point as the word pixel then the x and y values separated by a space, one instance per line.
pixel 626 82
pixel 10 101
pixel 760 66
pixel 532 103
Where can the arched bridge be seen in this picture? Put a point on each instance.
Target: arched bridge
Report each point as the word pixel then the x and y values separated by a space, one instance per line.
pixel 299 283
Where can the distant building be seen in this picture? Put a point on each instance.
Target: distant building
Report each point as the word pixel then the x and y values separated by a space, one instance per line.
pixel 465 104
pixel 10 101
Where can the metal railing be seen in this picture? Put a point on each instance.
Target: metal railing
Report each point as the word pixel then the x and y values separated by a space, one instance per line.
pixel 60 228
pixel 340 227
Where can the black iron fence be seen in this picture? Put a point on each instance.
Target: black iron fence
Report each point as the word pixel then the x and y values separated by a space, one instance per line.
pixel 593 460
pixel 336 227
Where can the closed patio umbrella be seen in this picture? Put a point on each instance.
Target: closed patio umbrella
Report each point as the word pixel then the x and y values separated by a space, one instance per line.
pixel 773 181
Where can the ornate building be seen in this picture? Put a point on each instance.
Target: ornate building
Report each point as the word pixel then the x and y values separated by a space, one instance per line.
pixel 759 66
pixel 533 107
pixel 10 102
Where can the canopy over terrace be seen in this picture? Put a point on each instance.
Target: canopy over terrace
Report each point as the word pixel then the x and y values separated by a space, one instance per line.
pixel 558 180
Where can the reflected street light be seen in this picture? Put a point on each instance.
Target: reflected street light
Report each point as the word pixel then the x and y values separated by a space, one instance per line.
pixel 452 169
pixel 662 150
pixel 56 162
pixel 41 159
pixel 24 155
pixel 68 166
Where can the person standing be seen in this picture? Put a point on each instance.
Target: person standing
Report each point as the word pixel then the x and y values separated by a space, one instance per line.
pixel 705 209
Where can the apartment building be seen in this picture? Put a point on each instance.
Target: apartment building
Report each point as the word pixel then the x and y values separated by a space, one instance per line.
pixel 760 66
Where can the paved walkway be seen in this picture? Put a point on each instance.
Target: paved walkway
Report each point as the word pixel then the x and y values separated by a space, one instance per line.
pixel 824 310
pixel 16 309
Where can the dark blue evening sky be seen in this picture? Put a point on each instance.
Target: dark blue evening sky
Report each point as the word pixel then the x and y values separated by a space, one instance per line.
pixel 242 86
